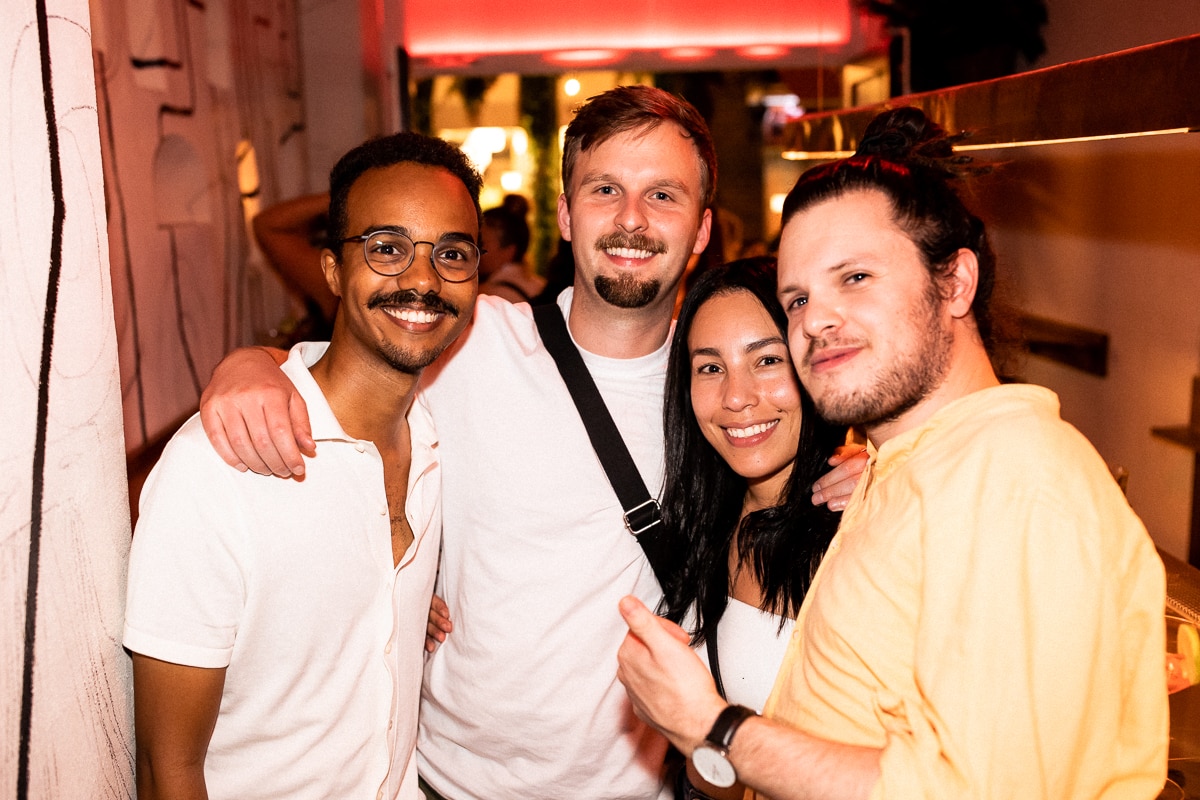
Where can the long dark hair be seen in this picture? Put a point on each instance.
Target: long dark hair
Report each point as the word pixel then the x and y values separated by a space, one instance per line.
pixel 702 496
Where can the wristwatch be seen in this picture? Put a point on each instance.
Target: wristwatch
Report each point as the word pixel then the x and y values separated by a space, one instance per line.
pixel 711 757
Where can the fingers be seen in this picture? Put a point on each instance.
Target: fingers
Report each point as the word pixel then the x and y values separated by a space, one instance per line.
pixel 439 615
pixel 668 685
pixel 637 617
pixel 642 620
pixel 214 428
pixel 254 415
pixel 439 624
pixel 298 411
pixel 261 444
pixel 286 429
pixel 835 487
pixel 434 636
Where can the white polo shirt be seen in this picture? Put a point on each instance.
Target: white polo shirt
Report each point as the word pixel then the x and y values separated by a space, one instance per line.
pixel 290 585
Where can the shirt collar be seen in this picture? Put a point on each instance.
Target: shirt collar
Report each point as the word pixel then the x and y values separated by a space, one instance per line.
pixel 325 425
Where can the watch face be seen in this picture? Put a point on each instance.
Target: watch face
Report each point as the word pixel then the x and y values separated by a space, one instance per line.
pixel 713 766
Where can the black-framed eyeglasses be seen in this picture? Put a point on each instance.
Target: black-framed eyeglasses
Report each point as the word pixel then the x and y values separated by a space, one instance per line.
pixel 389 253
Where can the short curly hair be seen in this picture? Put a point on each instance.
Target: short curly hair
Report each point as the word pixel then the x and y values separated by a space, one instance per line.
pixel 385 151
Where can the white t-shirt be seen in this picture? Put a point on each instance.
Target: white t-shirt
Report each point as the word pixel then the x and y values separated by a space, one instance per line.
pixel 290 585
pixel 522 699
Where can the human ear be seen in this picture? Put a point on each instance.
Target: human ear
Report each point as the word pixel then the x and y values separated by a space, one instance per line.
pixel 564 217
pixel 332 270
pixel 961 281
pixel 702 235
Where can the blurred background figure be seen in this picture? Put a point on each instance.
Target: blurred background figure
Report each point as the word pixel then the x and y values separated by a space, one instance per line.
pixel 291 235
pixel 559 272
pixel 502 270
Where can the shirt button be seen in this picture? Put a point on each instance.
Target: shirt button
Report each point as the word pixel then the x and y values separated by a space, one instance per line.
pixel 390 722
pixel 388 648
pixel 360 447
pixel 383 511
pixel 379 795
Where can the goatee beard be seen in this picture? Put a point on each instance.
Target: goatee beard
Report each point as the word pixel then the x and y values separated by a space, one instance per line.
pixel 626 291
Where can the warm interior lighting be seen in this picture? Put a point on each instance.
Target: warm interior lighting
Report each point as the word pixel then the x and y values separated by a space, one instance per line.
pixel 451 61
pixel 762 51
pixel 688 53
pixel 501 154
pixel 595 57
pixel 511 180
pixel 827 155
pixel 571 87
pixel 476 29
pixel 520 141
pixel 483 143
pixel 1039 142
pixel 816 155
pixel 776 203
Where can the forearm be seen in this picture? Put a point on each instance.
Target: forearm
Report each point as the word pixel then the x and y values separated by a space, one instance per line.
pixel 284 233
pixel 175 710
pixel 158 779
pixel 785 764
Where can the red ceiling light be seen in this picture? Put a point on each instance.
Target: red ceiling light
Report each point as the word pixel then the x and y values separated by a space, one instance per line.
pixel 474 28
pixel 596 57
pixel 762 52
pixel 688 53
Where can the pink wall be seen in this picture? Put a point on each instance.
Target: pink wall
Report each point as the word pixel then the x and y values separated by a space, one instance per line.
pixel 189 94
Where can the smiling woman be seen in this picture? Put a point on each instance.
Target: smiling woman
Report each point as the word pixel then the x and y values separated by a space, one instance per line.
pixel 743 447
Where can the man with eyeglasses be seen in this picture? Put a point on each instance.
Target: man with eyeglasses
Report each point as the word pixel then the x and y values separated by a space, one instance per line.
pixel 277 625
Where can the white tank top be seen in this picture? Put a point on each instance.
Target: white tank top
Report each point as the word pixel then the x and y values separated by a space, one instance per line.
pixel 750 648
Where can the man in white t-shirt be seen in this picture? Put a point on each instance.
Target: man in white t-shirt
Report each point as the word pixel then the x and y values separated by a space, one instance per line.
pixel 521 700
pixel 277 626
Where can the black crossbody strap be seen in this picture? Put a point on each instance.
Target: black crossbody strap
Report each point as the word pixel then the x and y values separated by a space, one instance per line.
pixel 642 515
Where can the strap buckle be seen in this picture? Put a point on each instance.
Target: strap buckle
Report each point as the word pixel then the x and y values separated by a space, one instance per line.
pixel 642 518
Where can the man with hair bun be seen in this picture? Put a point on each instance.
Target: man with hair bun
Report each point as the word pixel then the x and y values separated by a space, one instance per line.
pixel 988 621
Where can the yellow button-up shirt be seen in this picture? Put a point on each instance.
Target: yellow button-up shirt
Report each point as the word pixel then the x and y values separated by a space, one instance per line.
pixel 990 614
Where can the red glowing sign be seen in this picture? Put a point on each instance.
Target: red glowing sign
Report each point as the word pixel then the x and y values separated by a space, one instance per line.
pixel 436 29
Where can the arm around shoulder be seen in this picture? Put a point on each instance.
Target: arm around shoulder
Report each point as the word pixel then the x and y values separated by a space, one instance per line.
pixel 253 415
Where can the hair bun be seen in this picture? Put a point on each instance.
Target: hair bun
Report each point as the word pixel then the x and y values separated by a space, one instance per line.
pixel 908 136
pixel 902 133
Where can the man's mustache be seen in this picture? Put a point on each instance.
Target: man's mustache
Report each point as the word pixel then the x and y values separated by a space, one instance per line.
pixel 430 301
pixel 634 241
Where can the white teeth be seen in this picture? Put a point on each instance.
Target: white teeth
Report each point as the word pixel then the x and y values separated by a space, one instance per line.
pixel 411 315
pixel 753 430
pixel 625 252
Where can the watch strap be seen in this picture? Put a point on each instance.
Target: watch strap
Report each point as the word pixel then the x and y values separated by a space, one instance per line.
pixel 728 721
